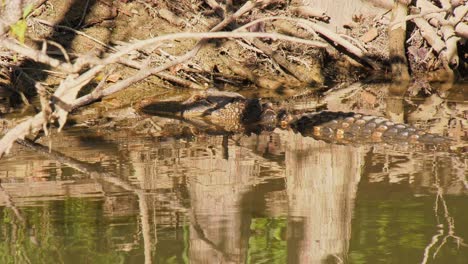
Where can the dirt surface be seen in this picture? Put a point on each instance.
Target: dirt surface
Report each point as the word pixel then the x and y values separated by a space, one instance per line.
pixel 118 22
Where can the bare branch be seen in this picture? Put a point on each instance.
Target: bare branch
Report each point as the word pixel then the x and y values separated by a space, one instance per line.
pixel 20 131
pixel 36 55
pixel 430 34
pixel 312 27
pixel 423 14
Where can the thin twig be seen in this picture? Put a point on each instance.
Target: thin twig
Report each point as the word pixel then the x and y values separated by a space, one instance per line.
pixel 61 48
pixel 83 15
pixel 81 33
pixel 209 35
pixel 167 76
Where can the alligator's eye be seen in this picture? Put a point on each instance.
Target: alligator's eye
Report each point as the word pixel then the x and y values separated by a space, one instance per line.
pixel 267 105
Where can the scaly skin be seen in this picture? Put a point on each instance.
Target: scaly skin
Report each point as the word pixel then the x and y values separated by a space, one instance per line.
pixel 350 128
pixel 229 113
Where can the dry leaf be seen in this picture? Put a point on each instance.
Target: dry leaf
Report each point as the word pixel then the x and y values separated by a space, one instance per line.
pixel 368 98
pixel 170 17
pixel 370 35
pixel 308 11
pixel 114 77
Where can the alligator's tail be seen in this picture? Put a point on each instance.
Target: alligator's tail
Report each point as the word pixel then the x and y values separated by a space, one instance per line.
pixel 353 128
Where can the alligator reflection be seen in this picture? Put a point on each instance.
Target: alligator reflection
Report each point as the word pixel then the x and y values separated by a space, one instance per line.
pixel 278 196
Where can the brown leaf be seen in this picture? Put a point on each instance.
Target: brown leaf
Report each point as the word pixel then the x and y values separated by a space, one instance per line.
pixel 370 35
pixel 114 77
pixel 308 11
pixel 170 17
pixel 368 98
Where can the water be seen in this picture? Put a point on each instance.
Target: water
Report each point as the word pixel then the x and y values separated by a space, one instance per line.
pixel 104 196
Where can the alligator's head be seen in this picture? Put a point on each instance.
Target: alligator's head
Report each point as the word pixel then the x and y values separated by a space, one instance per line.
pixel 243 115
pixel 226 111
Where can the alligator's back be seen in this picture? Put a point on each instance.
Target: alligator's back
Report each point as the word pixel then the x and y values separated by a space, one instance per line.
pixel 353 128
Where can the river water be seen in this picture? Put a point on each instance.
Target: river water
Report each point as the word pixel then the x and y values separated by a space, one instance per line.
pixel 112 195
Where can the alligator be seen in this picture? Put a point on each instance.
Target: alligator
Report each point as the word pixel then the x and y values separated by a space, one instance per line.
pixel 231 112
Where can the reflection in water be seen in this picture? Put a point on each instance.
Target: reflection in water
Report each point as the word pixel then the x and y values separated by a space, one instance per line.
pixel 395 101
pixel 321 181
pixel 275 197
pixel 219 197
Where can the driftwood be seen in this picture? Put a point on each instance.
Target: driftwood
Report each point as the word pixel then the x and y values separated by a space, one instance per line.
pixel 430 34
pixel 447 28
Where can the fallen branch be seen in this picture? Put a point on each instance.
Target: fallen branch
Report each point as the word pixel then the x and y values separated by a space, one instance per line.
pixel 64 94
pixel 124 61
pixel 422 14
pixel 437 19
pixel 461 27
pixel 313 28
pixel 430 35
pixel 20 131
pixel 145 72
pixel 450 38
pixel 36 55
pixel 41 57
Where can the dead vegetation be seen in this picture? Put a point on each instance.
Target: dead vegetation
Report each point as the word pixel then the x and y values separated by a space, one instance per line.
pixel 71 54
